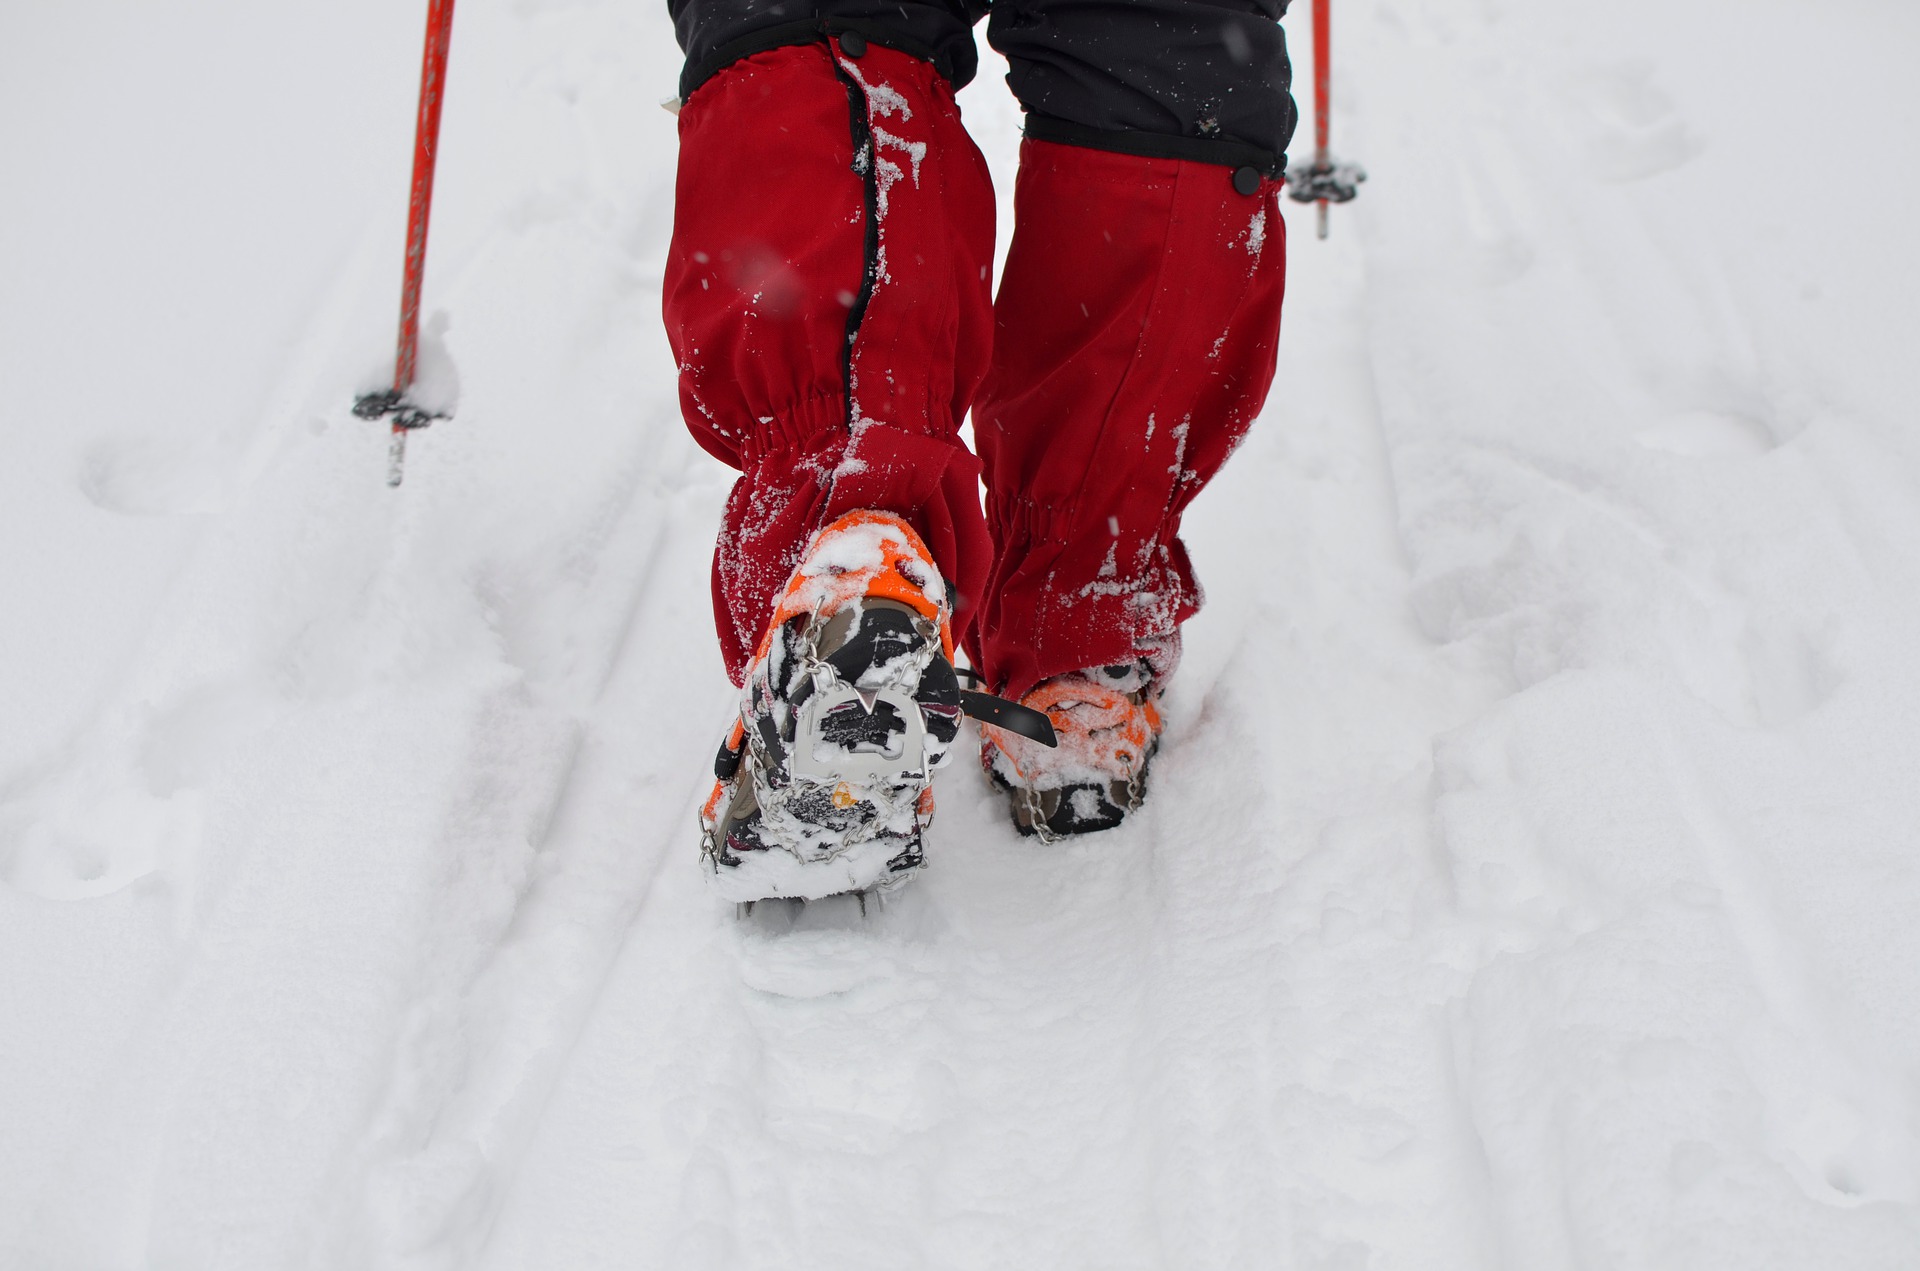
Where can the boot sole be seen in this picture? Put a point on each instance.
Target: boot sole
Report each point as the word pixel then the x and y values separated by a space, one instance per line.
pixel 778 874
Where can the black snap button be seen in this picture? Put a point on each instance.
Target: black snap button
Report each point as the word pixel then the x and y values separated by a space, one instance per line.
pixel 1246 180
pixel 853 44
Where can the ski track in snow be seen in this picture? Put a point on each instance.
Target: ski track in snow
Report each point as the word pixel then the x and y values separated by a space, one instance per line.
pixel 1530 874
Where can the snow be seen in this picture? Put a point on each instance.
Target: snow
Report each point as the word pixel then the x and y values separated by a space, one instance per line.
pixel 1530 876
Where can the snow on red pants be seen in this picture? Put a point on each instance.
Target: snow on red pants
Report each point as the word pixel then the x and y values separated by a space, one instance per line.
pixel 1137 324
pixel 827 301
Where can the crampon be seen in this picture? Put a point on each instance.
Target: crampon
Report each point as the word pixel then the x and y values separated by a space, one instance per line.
pixel 1107 721
pixel 825 779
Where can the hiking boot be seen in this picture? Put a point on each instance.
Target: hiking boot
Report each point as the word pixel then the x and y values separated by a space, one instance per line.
pixel 1107 721
pixel 850 704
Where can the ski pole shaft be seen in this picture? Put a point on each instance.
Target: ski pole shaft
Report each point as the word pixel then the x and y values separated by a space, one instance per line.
pixel 1322 90
pixel 426 146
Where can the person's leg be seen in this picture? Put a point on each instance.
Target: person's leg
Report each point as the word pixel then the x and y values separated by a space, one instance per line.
pixel 827 291
pixel 827 299
pixel 1137 316
pixel 1136 327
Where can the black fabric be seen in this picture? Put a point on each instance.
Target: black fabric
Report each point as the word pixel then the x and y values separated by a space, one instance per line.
pixel 1201 69
pixel 786 34
pixel 1156 145
pixel 713 33
pixel 1012 716
pixel 1098 73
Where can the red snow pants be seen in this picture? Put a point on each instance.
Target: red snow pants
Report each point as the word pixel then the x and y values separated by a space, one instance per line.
pixel 827 300
pixel 1135 335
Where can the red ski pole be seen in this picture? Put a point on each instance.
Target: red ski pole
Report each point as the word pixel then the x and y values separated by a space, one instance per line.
pixel 1328 180
pixel 1322 90
pixel 426 144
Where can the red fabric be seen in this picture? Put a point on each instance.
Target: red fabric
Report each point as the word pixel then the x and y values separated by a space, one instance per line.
pixel 1133 342
pixel 1136 328
pixel 768 256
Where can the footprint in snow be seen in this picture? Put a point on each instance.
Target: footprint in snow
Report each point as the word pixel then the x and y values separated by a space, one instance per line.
pixel 1634 131
pixel 789 959
pixel 1708 434
pixel 149 476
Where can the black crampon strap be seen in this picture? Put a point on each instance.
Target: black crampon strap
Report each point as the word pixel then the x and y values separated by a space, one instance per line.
pixel 1012 716
pixel 1001 713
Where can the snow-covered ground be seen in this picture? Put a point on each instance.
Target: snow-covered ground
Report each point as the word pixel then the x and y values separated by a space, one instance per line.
pixel 1532 879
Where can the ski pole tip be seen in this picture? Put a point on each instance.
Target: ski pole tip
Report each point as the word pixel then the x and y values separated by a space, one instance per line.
pixel 396 458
